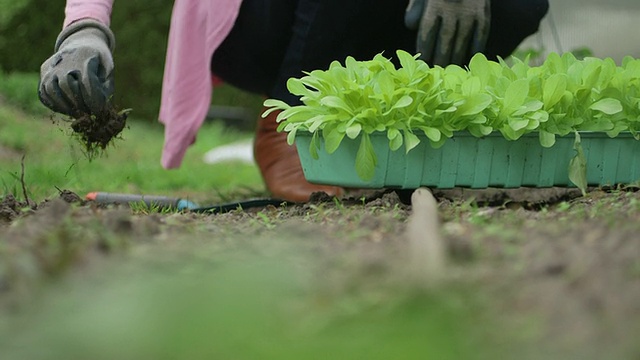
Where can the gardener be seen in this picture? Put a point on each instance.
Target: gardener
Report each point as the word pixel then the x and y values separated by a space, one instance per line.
pixel 256 45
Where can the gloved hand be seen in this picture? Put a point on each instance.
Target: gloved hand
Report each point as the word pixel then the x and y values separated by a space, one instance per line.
pixel 449 31
pixel 78 78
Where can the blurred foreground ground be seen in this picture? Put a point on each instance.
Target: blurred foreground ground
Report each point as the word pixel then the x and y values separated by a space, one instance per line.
pixel 532 274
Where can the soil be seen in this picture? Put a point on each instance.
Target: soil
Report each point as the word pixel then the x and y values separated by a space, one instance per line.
pixel 559 272
pixel 96 131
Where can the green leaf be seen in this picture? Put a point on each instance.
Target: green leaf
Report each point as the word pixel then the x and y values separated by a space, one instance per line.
pixel 608 106
pixel 554 88
pixel 366 159
pixel 591 74
pixel 385 86
pixel 316 122
pixel 403 102
pixel 478 120
pixel 314 146
pixel 518 124
pixel 509 133
pixel 294 112
pixel 432 133
pixel 291 136
pixel 487 71
pixel 480 130
pixel 547 139
pixel 598 125
pixel 485 130
pixel 396 142
pixel 410 140
pixel 474 104
pixel 332 140
pixel 438 144
pixel 554 63
pixel 578 166
pixel 393 133
pixel 479 65
pixel 353 131
pixel 471 86
pixel 336 102
pixel 274 105
pixel 296 87
pixel 407 61
pixel 515 95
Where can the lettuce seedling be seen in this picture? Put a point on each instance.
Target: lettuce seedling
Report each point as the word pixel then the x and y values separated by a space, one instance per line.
pixel 564 95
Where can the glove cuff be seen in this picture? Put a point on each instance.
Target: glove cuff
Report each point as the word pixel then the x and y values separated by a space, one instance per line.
pixel 83 24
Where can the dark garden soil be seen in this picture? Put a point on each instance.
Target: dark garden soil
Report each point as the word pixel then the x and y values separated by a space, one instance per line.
pixel 96 131
pixel 561 272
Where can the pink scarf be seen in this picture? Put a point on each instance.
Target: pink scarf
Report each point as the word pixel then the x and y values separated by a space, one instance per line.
pixel 198 27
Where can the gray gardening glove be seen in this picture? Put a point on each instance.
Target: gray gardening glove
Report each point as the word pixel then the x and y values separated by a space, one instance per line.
pixel 449 31
pixel 78 78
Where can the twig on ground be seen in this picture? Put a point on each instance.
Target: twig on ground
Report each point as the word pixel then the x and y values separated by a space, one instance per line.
pixel 24 186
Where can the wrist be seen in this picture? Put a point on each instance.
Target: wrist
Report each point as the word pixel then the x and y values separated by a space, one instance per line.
pixel 85 24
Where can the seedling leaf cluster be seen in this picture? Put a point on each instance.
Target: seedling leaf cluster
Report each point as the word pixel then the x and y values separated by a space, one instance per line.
pixel 563 96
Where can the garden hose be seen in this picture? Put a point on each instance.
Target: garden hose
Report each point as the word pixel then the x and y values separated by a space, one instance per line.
pixel 165 202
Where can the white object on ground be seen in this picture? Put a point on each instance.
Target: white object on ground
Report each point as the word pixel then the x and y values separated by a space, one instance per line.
pixel 427 251
pixel 239 151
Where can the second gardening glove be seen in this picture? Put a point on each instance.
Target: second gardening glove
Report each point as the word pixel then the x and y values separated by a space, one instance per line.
pixel 449 31
pixel 78 78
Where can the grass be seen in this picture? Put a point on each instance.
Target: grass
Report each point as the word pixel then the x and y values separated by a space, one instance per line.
pixel 54 160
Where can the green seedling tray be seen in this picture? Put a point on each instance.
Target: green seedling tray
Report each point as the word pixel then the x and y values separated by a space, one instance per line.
pixel 468 161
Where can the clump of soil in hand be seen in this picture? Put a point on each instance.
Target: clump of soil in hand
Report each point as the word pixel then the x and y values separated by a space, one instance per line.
pixel 95 131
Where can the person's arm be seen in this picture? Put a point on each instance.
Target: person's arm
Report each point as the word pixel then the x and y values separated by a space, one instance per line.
pixel 99 10
pixel 78 78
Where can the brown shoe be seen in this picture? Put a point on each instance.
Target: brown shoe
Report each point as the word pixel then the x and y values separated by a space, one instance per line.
pixel 280 165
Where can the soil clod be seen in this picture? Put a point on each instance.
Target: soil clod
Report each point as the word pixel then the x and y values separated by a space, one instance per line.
pixel 71 197
pixel 320 197
pixel 8 208
pixel 96 131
